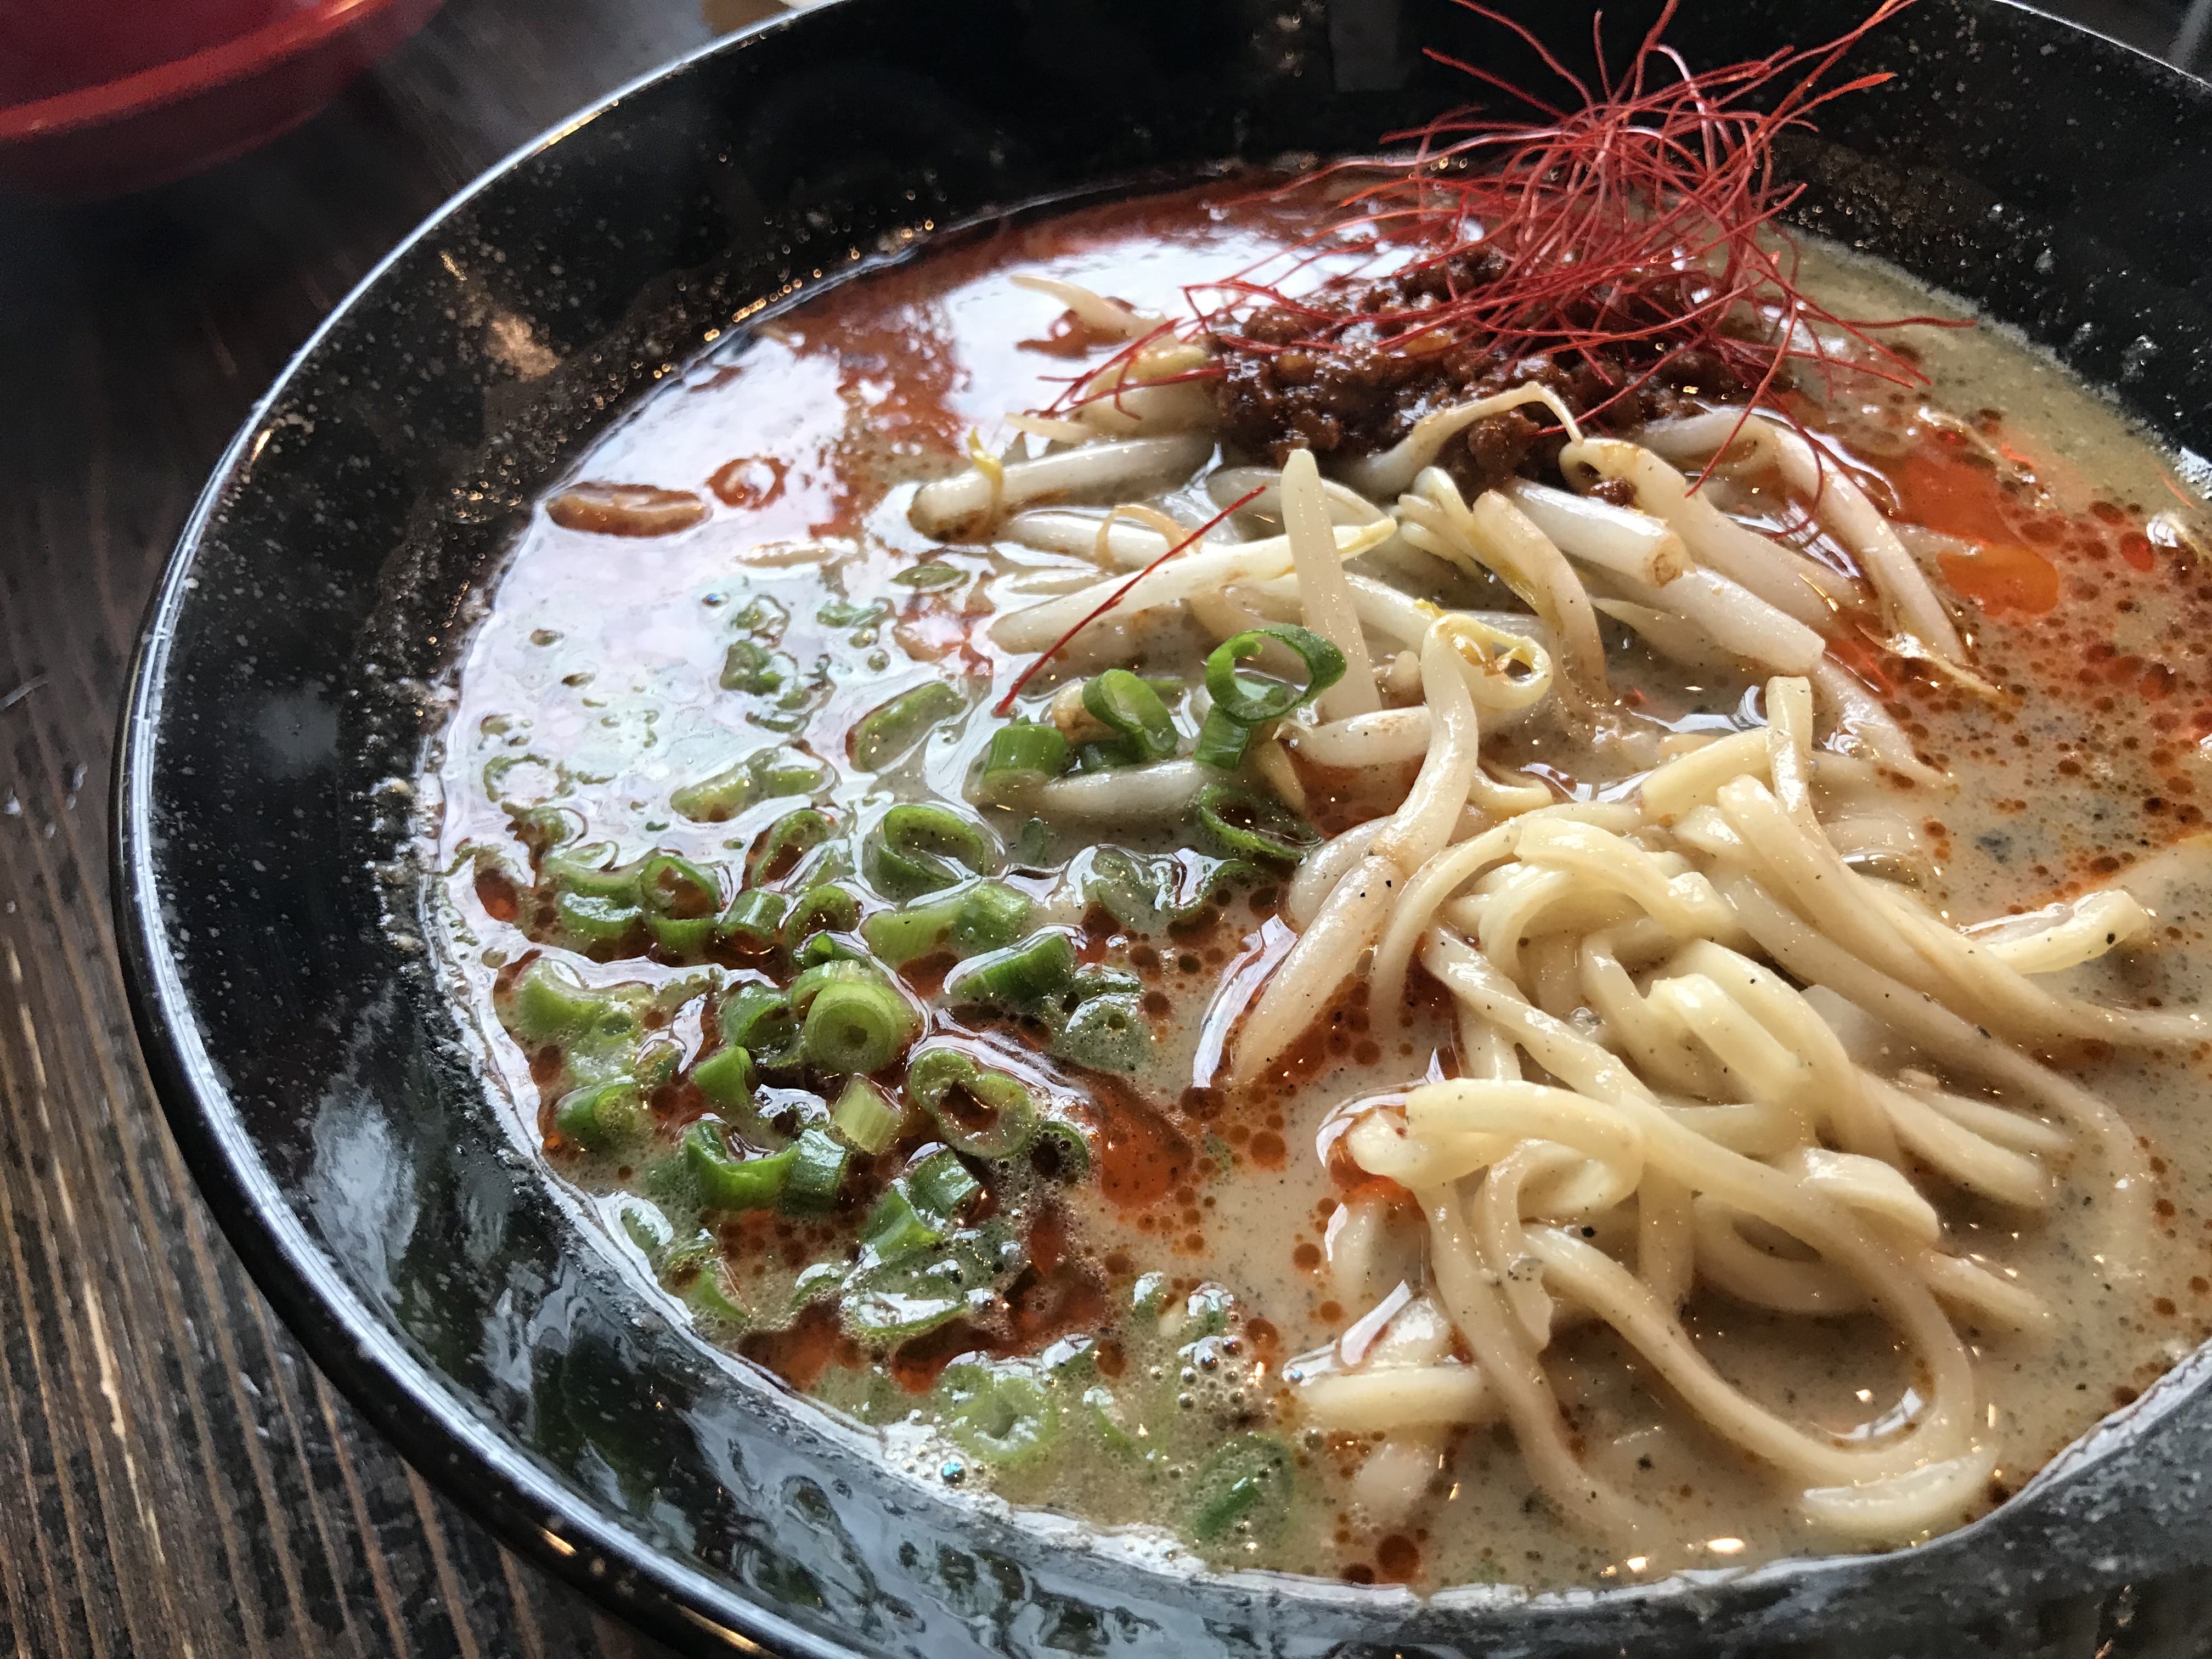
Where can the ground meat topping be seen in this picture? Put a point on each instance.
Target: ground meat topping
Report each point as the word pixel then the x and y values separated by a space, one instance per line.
pixel 1320 375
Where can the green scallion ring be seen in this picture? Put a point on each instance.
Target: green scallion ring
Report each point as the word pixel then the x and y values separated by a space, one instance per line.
pixel 898 937
pixel 758 1019
pixel 785 841
pixel 1106 1033
pixel 824 908
pixel 589 871
pixel 990 915
pixel 979 1111
pixel 602 1116
pixel 1221 742
pixel 865 1116
pixel 856 1026
pixel 1119 699
pixel 941 1185
pixel 897 1227
pixel 832 969
pixel 1249 701
pixel 919 847
pixel 884 733
pixel 1002 1412
pixel 1021 757
pixel 817 1170
pixel 754 918
pixel 1237 823
pixel 724 1182
pixel 1020 977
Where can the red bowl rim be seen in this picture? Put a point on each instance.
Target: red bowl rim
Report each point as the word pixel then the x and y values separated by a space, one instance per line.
pixel 211 66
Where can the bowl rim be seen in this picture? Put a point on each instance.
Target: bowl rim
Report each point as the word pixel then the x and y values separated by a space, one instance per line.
pixel 436 1428
pixel 235 59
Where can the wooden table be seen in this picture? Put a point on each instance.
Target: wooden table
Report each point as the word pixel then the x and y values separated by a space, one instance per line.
pixel 175 1478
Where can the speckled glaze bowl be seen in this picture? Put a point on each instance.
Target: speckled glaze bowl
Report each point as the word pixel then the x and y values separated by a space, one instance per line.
pixel 287 680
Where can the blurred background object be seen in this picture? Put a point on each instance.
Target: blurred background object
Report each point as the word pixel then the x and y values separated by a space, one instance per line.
pixel 103 96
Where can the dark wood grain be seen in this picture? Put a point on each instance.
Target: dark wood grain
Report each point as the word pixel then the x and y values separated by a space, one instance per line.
pixel 175 1478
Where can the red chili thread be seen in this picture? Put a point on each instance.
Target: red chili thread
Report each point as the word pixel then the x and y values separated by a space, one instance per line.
pixel 1643 213
pixel 1004 706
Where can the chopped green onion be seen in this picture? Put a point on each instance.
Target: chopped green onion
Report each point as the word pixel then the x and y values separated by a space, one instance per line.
pixel 1147 894
pixel 786 771
pixel 541 829
pixel 1237 823
pixel 712 1297
pixel 941 1185
pixel 1135 891
pixel 896 1227
pixel 590 873
pixel 646 1225
pixel 816 948
pixel 858 1025
pixel 686 940
pixel 601 1116
pixel 725 1077
pixel 814 1282
pixel 720 797
pixel 817 1170
pixel 891 1300
pixel 1221 742
pixel 929 578
pixel 657 1062
pixel 785 841
pixel 1248 699
pixel 1002 1412
pixel 979 1111
pixel 981 917
pixel 1245 1482
pixel 549 1003
pixel 588 922
pixel 990 915
pixel 843 613
pixel 1119 699
pixel 834 966
pixel 822 908
pixel 1106 753
pixel 1206 1313
pixel 884 733
pixel 917 849
pixel 1148 1297
pixel 669 884
pixel 758 1019
pixel 753 667
pixel 762 615
pixel 1106 1033
pixel 898 937
pixel 1021 757
pixel 754 920
pixel 1021 977
pixel 1064 1147
pixel 863 1115
pixel 1033 844
pixel 727 1183
pixel 1103 1411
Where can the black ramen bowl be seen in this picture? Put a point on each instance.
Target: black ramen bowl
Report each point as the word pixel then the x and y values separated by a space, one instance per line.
pixel 288 675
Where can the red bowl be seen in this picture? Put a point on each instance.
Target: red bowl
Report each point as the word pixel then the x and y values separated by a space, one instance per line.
pixel 96 98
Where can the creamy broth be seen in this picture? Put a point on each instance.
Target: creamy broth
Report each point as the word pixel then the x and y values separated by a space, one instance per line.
pixel 601 682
